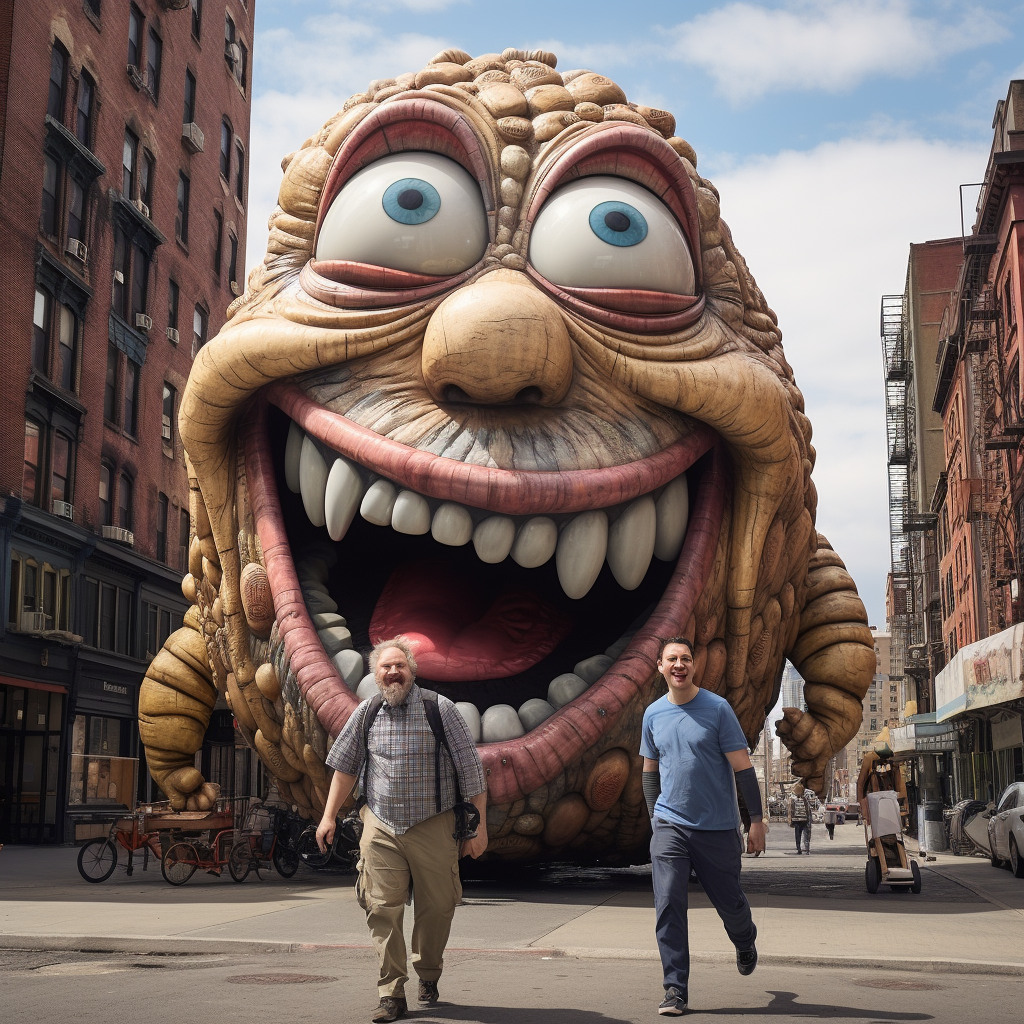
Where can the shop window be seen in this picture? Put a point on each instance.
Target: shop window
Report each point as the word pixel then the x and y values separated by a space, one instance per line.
pixel 181 217
pixel 161 527
pixel 106 484
pixel 58 82
pixel 225 150
pixel 239 173
pixel 129 421
pixel 124 502
pixel 154 58
pixel 99 776
pixel 110 385
pixel 84 112
pixel 197 17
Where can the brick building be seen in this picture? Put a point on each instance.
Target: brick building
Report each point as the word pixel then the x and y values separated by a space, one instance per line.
pixel 123 169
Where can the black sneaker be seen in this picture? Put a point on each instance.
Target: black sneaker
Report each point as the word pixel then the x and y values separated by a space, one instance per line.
pixel 427 992
pixel 391 1008
pixel 746 959
pixel 673 1005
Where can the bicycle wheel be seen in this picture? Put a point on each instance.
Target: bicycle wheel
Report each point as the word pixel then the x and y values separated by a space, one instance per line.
pixel 286 860
pixel 97 859
pixel 309 851
pixel 240 860
pixel 179 863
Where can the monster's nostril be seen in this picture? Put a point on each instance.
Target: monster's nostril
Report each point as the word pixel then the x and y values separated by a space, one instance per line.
pixel 454 394
pixel 530 396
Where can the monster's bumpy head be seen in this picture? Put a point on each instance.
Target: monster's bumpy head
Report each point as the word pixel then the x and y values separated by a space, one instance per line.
pixel 504 385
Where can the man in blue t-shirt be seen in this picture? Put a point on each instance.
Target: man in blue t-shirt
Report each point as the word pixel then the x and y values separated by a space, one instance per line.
pixel 693 750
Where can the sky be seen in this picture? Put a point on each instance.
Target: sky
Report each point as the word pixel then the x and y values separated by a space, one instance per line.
pixel 836 131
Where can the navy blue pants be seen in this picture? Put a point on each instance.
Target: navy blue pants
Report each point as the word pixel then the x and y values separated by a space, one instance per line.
pixel 715 858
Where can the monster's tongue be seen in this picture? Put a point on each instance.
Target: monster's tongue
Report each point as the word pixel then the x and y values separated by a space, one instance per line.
pixel 456 635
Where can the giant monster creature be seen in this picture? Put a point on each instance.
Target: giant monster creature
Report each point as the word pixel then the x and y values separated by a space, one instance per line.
pixel 503 384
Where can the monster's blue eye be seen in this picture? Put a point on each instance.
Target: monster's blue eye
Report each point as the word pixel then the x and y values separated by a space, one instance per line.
pixel 618 223
pixel 411 201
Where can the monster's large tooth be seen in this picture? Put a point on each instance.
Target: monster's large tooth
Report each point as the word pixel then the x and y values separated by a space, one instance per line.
pixel 341 498
pixel 325 619
pixel 335 638
pixel 500 722
pixel 591 669
pixel 535 542
pixel 312 481
pixel 581 550
pixel 318 602
pixel 378 503
pixel 565 688
pixel 452 525
pixel 631 543
pixel 471 716
pixel 533 712
pixel 493 540
pixel 349 664
pixel 411 514
pixel 367 687
pixel 292 450
pixel 673 513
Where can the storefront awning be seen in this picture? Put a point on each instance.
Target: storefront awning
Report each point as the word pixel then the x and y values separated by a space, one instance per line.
pixel 982 674
pixel 923 735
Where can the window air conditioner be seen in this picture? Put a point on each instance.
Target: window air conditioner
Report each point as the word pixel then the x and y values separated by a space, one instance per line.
pixel 62 508
pixel 143 322
pixel 141 207
pixel 33 622
pixel 118 533
pixel 172 334
pixel 119 277
pixel 192 136
pixel 77 249
pixel 165 431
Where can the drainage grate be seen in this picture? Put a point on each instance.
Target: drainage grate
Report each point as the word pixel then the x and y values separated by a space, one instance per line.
pixel 899 985
pixel 278 979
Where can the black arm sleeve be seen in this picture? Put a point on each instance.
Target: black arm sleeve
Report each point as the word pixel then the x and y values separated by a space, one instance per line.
pixel 652 789
pixel 746 780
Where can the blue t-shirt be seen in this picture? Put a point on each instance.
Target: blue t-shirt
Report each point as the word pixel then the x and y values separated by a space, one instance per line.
pixel 689 742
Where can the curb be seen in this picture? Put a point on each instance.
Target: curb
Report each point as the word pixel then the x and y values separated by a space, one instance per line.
pixel 161 944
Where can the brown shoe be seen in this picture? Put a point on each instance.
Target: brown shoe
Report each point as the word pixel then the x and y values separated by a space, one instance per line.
pixel 427 992
pixel 391 1008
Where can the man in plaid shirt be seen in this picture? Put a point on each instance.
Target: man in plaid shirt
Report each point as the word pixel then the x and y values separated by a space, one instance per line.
pixel 406 837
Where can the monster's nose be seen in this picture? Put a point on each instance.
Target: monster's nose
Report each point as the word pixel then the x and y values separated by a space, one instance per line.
pixel 497 341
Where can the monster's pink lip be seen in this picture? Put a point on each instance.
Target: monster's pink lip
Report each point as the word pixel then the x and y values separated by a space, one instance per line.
pixel 514 768
pixel 512 492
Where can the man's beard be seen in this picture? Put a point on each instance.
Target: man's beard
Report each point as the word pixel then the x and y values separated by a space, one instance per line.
pixel 394 693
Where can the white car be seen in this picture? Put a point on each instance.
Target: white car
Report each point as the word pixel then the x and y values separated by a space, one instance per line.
pixel 1006 829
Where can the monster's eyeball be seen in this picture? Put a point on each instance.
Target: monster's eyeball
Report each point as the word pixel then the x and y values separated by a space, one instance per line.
pixel 606 232
pixel 417 212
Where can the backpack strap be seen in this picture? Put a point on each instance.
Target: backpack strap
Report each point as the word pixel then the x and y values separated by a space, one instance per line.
pixel 372 711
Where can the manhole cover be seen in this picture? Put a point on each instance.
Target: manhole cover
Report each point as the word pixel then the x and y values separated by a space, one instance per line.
pixel 899 985
pixel 279 979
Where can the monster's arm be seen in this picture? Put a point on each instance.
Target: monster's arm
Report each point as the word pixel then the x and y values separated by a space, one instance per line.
pixel 834 652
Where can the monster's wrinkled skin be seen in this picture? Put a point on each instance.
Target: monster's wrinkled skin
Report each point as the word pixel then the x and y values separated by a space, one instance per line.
pixel 562 407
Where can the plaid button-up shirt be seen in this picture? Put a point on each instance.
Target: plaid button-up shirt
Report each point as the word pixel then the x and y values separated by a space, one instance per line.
pixel 400 786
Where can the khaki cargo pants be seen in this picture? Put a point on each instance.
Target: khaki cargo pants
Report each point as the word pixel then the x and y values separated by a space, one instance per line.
pixel 426 855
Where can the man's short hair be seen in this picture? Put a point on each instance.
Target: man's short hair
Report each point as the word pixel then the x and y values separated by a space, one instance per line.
pixel 685 640
pixel 399 642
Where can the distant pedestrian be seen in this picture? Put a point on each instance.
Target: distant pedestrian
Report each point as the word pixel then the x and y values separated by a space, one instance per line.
pixel 695 756
pixel 798 814
pixel 831 820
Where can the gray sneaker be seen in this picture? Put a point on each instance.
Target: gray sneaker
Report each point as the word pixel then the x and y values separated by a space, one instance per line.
pixel 673 1005
pixel 427 993
pixel 391 1008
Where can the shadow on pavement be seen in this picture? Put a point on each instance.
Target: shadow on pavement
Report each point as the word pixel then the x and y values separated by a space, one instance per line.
pixel 785 1004
pixel 512 1015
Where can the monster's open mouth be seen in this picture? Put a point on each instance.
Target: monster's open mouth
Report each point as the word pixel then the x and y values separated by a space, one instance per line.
pixel 512 585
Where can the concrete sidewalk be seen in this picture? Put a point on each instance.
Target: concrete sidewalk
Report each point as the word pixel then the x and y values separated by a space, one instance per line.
pixel 813 910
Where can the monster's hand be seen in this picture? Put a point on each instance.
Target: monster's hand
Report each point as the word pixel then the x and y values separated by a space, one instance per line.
pixel 834 652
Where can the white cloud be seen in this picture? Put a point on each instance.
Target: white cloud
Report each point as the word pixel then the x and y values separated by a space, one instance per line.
pixel 826 233
pixel 830 45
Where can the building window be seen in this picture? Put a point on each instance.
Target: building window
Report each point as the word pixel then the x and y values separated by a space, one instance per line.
pixel 134 37
pixel 129 154
pixel 159 624
pixel 232 261
pixel 67 348
pixel 108 623
pixel 183 528
pixel 110 385
pixel 173 294
pixel 106 484
pixel 122 274
pixel 197 17
pixel 32 469
pixel 181 218
pixel 131 399
pixel 124 502
pixel 199 326
pixel 76 212
pixel 167 425
pixel 38 587
pixel 161 527
pixel 225 150
pixel 239 173
pixel 60 473
pixel 94 6
pixel 58 82
pixel 140 280
pixel 41 314
pixel 189 113
pixel 154 55
pixel 235 53
pixel 218 234
pixel 147 167
pixel 83 120
pixel 48 218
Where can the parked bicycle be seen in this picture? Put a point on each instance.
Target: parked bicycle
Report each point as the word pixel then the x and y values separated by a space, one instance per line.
pixel 271 836
pixel 98 857
pixel 183 858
